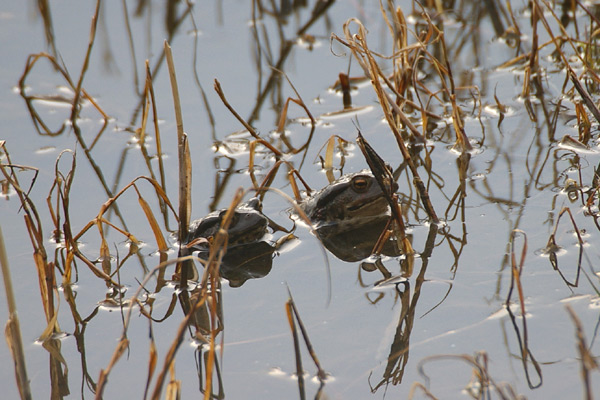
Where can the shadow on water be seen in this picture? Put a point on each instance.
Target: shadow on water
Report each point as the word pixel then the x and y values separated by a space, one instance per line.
pixel 487 112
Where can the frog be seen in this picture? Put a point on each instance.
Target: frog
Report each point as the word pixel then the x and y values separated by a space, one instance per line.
pixel 349 215
pixel 352 199
pixel 248 225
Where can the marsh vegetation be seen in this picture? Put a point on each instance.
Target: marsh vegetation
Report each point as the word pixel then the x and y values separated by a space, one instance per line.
pixel 392 199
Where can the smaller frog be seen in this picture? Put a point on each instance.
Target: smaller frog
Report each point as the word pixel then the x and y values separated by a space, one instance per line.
pixel 352 199
pixel 248 225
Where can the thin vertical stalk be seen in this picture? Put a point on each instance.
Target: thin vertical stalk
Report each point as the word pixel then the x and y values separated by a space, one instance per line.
pixel 13 329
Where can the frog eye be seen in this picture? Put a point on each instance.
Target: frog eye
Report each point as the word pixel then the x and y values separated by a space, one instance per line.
pixel 360 184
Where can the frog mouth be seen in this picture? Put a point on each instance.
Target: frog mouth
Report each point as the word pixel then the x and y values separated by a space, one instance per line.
pixel 373 207
pixel 357 205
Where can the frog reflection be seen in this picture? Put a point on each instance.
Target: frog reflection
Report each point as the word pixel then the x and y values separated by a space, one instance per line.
pixel 349 215
pixel 352 243
pixel 247 255
pixel 245 261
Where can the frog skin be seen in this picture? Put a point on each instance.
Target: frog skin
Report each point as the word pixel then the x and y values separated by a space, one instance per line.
pixel 248 225
pixel 352 199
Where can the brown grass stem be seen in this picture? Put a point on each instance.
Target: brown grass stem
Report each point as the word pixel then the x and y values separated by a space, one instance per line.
pixel 246 125
pixel 319 9
pixel 185 163
pixel 526 355
pixel 480 389
pixel 13 329
pixel 75 108
pixel 552 247
pixel 358 45
pixel 124 342
pixel 298 357
pixel 587 360
pixel 159 151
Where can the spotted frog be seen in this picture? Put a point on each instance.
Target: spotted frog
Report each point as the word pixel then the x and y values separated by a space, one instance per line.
pixel 352 199
pixel 248 225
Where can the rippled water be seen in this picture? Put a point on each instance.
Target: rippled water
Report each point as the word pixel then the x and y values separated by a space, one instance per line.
pixel 427 326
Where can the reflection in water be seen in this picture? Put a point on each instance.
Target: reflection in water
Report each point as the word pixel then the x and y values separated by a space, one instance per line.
pixel 246 261
pixel 399 350
pixel 275 58
pixel 526 354
pixel 356 242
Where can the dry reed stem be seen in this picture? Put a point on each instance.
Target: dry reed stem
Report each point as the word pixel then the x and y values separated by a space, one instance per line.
pixel 123 342
pixel 294 185
pixel 152 361
pixel 298 357
pixel 246 125
pixel 185 164
pixel 480 373
pixel 45 270
pixel 551 247
pixel 588 70
pixel 12 330
pixel 251 152
pixel 358 45
pixel 574 46
pixel 84 67
pixel 445 72
pixel 178 339
pixel 282 119
pixel 516 271
pixel 320 7
pixel 329 146
pixel 209 284
pixel 587 360
pixel 160 239
pixel 283 116
pixel 419 386
pixel 103 378
pixel 79 92
pixel 32 60
pixel 583 123
pixel 99 221
pixel 159 152
pixel 329 159
pixel 321 375
pixel 384 179
pixel 173 391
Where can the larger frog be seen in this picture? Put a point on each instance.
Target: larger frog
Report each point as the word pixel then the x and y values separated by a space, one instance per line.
pixel 352 199
pixel 349 216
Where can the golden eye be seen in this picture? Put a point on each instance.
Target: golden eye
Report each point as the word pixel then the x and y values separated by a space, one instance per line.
pixel 360 184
